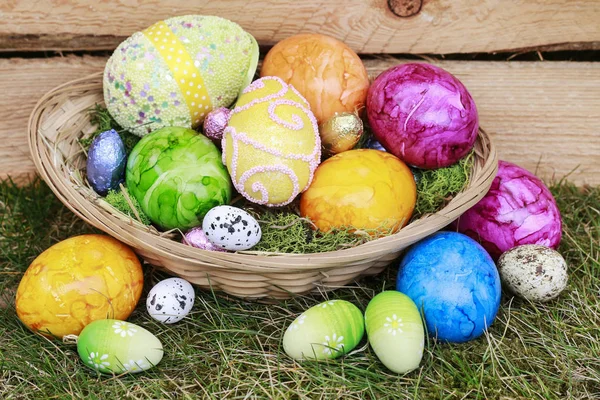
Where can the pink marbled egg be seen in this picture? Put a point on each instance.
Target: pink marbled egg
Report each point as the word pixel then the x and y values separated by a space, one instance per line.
pixel 518 209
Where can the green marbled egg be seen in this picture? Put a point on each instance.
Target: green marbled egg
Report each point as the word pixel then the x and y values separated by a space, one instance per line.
pixel 325 331
pixel 395 331
pixel 176 71
pixel 111 346
pixel 177 176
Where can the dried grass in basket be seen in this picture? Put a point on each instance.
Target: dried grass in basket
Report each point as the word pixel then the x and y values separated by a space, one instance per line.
pixel 61 118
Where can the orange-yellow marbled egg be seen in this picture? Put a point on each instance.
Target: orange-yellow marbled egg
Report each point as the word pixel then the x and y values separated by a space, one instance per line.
pixel 364 189
pixel 77 281
pixel 328 73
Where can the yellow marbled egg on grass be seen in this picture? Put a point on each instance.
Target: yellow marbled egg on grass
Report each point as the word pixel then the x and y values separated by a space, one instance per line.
pixel 77 281
pixel 176 71
pixel 271 145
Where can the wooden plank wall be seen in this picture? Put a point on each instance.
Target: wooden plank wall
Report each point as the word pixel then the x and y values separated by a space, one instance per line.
pixel 543 115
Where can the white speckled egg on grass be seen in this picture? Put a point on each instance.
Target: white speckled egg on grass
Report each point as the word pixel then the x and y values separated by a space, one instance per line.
pixel 115 347
pixel 395 331
pixel 325 331
pixel 231 228
pixel 533 272
pixel 170 300
pixel 176 71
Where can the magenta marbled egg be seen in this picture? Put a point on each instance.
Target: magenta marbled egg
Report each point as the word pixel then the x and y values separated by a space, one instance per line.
pixel 423 115
pixel 518 209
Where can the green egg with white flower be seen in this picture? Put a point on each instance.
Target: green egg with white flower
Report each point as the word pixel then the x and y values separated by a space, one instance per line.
pixel 325 331
pixel 395 331
pixel 116 347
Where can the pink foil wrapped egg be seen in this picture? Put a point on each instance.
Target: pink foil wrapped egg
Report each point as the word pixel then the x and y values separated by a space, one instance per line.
pixel 518 209
pixel 423 115
pixel 196 237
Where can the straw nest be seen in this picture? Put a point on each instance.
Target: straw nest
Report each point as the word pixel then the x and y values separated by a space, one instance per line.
pixel 61 117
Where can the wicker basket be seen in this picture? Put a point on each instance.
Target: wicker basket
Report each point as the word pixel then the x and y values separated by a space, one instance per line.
pixel 60 118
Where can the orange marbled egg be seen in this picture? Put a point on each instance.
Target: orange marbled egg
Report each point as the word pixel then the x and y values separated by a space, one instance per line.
pixel 77 281
pixel 328 73
pixel 364 189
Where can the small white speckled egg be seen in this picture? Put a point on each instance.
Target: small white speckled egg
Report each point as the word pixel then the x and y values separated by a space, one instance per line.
pixel 533 272
pixel 170 300
pixel 231 228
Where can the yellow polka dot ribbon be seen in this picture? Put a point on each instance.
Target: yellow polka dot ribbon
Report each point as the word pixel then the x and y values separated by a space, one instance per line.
pixel 184 71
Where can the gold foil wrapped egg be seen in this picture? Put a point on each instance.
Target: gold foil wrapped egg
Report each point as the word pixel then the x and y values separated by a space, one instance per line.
pixel 340 132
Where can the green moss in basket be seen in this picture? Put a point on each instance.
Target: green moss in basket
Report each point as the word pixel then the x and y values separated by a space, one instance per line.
pixel 100 117
pixel 283 231
pixel 117 200
pixel 436 187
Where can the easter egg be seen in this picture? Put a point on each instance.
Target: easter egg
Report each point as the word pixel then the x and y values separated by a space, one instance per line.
pixel 106 162
pixel 325 331
pixel 215 123
pixel 395 331
pixel 196 237
pixel 77 281
pixel 328 73
pixel 177 176
pixel 231 228
pixel 423 115
pixel 455 282
pixel 364 189
pixel 533 272
pixel 271 146
pixel 341 132
pixel 111 346
pixel 177 70
pixel 517 209
pixel 170 300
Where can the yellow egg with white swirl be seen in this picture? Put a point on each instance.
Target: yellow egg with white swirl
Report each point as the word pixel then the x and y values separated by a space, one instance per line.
pixel 271 145
pixel 176 71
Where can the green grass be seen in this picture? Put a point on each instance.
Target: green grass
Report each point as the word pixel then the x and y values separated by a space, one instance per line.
pixel 232 349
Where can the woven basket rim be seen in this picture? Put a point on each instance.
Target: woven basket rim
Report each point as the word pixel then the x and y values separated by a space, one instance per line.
pixel 62 105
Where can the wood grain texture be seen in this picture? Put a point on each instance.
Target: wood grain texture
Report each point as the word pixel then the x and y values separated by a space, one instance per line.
pixel 23 82
pixel 542 115
pixel 374 26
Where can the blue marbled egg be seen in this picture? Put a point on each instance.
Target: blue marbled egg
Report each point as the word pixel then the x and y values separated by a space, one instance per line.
pixel 455 282
pixel 106 162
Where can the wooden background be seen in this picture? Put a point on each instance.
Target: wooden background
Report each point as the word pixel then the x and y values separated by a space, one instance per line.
pixel 544 115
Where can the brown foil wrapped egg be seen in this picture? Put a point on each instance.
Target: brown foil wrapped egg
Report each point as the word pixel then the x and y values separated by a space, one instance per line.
pixel 328 73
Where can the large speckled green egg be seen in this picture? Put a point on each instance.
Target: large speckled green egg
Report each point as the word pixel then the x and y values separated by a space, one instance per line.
pixel 325 331
pixel 111 346
pixel 176 71
pixel 177 176
pixel 395 331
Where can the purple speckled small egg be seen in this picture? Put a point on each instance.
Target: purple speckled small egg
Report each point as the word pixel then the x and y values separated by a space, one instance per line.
pixel 231 228
pixel 196 237
pixel 518 209
pixel 423 115
pixel 106 162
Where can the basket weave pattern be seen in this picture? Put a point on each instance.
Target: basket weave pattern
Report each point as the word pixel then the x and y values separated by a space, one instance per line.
pixel 61 118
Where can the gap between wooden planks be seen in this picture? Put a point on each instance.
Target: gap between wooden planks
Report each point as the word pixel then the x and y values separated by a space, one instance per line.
pixel 542 115
pixel 430 26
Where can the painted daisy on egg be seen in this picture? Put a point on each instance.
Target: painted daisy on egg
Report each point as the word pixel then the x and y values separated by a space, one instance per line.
pixel 98 361
pixel 394 325
pixel 333 343
pixel 327 303
pixel 136 366
pixel 124 328
pixel 299 321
